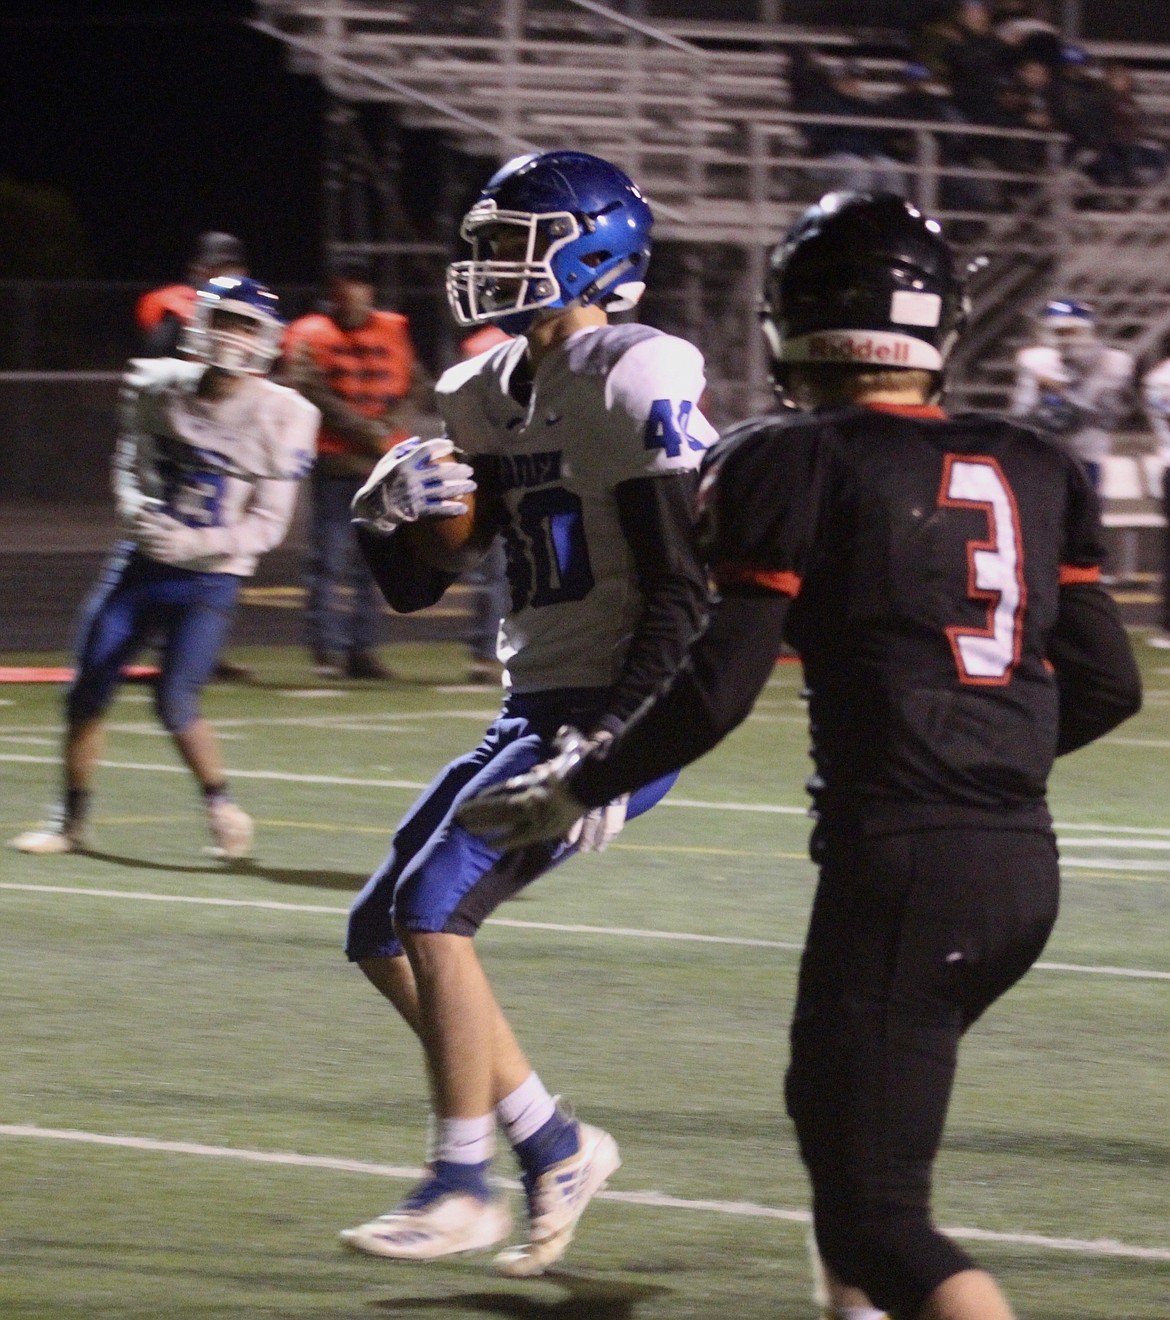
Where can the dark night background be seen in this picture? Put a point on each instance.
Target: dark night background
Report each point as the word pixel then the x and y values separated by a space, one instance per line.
pixel 158 120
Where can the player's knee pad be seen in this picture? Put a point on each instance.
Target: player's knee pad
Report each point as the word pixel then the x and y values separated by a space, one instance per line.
pixel 177 706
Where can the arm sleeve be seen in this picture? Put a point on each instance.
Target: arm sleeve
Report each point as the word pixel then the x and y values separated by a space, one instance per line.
pixel 132 476
pixel 1096 674
pixel 657 520
pixel 405 583
pixel 129 496
pixel 724 672
pixel 753 544
pixel 1105 396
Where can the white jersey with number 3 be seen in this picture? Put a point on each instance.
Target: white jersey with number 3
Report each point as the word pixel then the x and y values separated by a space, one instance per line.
pixel 610 405
pixel 229 466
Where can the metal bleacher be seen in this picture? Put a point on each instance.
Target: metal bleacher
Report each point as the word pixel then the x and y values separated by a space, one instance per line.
pixel 699 113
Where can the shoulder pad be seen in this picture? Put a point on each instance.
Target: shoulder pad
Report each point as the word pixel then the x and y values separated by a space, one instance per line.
pixel 148 374
pixel 483 364
pixel 595 354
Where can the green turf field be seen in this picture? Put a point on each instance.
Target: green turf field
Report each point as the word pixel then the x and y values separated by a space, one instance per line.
pixel 198 1091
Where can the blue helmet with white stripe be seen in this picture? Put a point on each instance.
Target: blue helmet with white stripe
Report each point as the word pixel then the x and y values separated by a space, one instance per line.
pixel 236 326
pixel 549 231
pixel 1065 320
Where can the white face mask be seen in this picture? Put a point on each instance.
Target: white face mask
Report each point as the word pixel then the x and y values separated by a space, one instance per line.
pixel 236 348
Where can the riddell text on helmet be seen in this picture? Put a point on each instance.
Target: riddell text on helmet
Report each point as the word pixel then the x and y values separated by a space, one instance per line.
pixel 851 348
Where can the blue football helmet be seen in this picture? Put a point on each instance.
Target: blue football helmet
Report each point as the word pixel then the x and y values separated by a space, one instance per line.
pixel 1065 319
pixel 235 326
pixel 553 230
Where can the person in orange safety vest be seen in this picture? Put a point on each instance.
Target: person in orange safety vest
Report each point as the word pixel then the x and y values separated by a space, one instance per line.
pixel 359 366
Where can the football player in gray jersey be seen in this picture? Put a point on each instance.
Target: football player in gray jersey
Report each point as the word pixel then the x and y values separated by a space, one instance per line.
pixel 578 442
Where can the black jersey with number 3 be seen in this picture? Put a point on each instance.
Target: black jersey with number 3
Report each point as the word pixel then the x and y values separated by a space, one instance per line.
pixel 925 557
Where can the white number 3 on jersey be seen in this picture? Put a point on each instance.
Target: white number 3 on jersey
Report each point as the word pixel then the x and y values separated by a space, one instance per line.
pixel 995 570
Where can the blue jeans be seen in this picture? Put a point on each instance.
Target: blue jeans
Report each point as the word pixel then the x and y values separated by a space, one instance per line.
pixel 335 562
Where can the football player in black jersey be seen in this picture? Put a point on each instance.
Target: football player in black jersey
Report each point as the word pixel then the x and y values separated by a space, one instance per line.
pixel 939 577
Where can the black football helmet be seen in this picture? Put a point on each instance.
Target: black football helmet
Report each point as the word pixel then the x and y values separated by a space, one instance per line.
pixel 862 279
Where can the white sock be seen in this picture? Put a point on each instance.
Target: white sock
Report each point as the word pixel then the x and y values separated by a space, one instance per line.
pixel 466 1140
pixel 857 1313
pixel 526 1110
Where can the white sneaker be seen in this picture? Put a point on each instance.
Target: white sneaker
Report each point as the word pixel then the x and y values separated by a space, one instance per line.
pixel 557 1200
pixel 52 837
pixel 231 828
pixel 1160 640
pixel 446 1226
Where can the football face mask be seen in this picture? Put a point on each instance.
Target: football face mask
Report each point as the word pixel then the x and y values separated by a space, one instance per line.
pixel 235 327
pixel 551 231
pixel 1070 327
pixel 511 267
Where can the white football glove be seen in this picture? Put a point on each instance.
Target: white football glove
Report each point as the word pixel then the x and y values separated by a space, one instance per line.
pixel 409 483
pixel 539 807
pixel 166 539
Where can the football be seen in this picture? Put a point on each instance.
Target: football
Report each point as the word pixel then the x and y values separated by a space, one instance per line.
pixel 451 545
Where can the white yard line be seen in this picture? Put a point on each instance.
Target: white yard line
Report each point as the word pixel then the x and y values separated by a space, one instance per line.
pixel 654 1200
pixel 673 800
pixel 564 928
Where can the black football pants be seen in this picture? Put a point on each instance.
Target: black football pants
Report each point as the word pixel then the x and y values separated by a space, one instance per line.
pixel 912 936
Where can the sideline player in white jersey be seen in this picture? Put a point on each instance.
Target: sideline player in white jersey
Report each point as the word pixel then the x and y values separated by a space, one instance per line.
pixel 205 476
pixel 1156 397
pixel 1072 386
pixel 583 439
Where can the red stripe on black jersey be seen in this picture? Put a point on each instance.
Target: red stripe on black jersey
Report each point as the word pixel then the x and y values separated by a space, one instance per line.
pixel 1072 575
pixel 731 575
pixel 929 412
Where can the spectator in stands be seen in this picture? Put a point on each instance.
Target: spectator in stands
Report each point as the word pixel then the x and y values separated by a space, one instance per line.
pixel 961 50
pixel 1156 397
pixel 1026 27
pixel 1024 101
pixel 163 313
pixel 1071 385
pixel 1127 160
pixel 851 157
pixel 1080 104
pixel 358 365
pixel 924 98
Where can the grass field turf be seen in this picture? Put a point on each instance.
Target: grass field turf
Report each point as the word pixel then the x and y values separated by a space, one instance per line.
pixel 240 1029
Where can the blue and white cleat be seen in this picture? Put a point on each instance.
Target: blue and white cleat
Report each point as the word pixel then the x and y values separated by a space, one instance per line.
pixel 427 1226
pixel 556 1201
